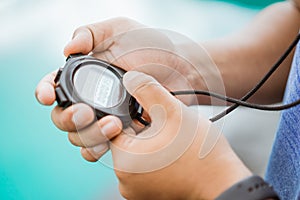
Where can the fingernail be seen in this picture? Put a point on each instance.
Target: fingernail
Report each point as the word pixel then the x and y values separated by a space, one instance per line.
pixel 131 81
pixel 131 75
pixel 82 116
pixel 45 94
pixel 100 148
pixel 109 129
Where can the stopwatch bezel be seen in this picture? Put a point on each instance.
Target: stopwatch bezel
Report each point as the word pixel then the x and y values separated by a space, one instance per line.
pixel 126 110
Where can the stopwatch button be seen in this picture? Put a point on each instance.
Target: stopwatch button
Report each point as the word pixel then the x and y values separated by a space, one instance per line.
pixel 58 75
pixel 61 99
pixel 74 56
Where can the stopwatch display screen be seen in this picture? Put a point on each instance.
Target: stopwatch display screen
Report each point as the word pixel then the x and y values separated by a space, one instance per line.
pixel 99 86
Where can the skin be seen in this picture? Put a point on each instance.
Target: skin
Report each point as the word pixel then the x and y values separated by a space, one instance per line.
pixel 265 39
pixel 179 121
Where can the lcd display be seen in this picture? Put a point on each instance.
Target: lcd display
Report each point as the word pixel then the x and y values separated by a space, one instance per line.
pixel 98 85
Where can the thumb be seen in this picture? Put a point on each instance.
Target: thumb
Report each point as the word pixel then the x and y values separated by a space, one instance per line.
pixel 82 42
pixel 168 137
pixel 148 92
pixel 90 37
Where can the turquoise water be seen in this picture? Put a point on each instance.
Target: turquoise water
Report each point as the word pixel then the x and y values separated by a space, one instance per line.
pixel 36 160
pixel 253 3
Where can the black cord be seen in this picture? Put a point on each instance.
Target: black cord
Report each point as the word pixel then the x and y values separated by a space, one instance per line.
pixel 242 101
pixel 238 101
pixel 228 99
pixel 260 83
pixel 139 116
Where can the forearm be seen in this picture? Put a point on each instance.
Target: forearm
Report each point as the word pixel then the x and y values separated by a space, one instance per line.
pixel 243 58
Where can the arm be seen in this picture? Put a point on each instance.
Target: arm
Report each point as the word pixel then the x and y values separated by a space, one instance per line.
pixel 221 168
pixel 248 54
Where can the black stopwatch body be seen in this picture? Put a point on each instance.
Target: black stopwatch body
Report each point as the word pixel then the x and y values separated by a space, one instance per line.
pixel 85 79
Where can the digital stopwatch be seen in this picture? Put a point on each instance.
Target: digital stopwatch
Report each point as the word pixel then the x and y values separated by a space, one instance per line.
pixel 85 79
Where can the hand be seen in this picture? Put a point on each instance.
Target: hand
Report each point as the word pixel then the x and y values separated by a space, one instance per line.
pixel 175 61
pixel 108 40
pixel 75 118
pixel 162 161
pixel 127 44
pixel 131 45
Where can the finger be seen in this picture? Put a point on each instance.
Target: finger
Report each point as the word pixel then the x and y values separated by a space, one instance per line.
pixel 101 131
pixel 125 138
pixel 73 118
pixel 87 38
pixel 44 92
pixel 137 126
pixel 148 92
pixel 95 153
pixel 82 42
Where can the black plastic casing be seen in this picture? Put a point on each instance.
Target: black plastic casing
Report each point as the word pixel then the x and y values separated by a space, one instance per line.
pixel 67 95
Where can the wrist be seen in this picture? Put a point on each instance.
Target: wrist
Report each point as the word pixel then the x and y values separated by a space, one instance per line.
pixel 230 177
pixel 225 177
pixel 217 172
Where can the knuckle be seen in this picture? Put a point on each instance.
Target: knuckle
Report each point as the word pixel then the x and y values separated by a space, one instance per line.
pixel 74 140
pixel 142 83
pixel 123 141
pixel 63 118
pixel 55 117
pixel 79 29
pixel 145 86
pixel 89 158
pixel 86 154
pixel 66 120
pixel 123 19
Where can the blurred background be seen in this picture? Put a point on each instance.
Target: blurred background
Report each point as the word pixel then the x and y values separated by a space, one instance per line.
pixel 36 159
